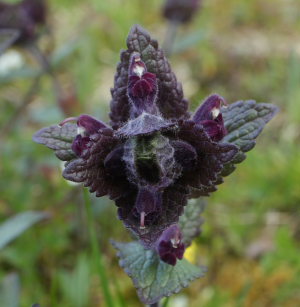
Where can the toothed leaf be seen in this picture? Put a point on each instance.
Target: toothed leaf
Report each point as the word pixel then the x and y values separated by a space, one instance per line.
pixel 191 220
pixel 90 168
pixel 58 138
pixel 244 121
pixel 153 278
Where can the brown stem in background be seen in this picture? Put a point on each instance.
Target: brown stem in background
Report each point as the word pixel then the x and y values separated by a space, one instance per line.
pixel 46 67
pixel 26 101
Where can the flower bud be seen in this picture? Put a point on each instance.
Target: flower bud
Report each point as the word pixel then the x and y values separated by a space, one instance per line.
pixel 180 10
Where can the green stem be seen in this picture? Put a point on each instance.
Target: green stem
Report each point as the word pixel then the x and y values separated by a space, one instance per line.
pixel 5 130
pixel 95 250
pixel 46 67
pixel 170 37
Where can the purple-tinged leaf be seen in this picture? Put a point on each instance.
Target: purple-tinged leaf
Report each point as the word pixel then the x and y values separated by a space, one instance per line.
pixel 244 121
pixel 58 138
pixel 190 222
pixel 211 159
pixel 153 278
pixel 90 167
pixel 185 155
pixel 170 99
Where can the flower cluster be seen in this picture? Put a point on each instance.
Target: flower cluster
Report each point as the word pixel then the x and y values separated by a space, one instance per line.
pixel 23 18
pixel 154 155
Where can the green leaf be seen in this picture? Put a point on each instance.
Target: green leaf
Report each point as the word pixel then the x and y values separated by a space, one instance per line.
pixel 75 285
pixel 10 291
pixel 16 225
pixel 153 278
pixel 244 121
pixel 58 138
pixel 190 222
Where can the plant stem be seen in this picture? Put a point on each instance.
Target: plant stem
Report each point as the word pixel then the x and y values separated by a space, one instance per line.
pixel 46 67
pixel 12 35
pixel 24 104
pixel 170 37
pixel 95 250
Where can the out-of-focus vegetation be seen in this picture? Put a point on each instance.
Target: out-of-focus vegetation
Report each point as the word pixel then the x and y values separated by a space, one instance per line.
pixel 240 49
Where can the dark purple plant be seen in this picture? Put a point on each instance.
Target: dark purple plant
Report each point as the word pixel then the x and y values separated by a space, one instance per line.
pixel 180 11
pixel 23 19
pixel 155 155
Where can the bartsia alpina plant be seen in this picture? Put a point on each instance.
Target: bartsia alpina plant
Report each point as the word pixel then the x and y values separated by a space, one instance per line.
pixel 152 157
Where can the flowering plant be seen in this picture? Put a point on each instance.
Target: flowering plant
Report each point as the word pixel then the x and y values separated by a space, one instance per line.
pixel 154 156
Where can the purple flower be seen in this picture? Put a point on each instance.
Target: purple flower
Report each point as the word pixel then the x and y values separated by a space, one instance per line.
pixel 24 17
pixel 169 246
pixel 154 156
pixel 86 126
pixel 142 87
pixel 180 11
pixel 210 117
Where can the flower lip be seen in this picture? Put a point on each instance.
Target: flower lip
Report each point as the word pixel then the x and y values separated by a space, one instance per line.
pixel 169 246
pixel 137 67
pixel 210 117
pixel 210 109
pixel 86 124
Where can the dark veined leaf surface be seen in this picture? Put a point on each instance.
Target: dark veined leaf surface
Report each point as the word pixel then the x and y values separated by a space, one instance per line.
pixel 153 278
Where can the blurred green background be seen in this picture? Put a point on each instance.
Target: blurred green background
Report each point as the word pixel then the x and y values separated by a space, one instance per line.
pixel 240 49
